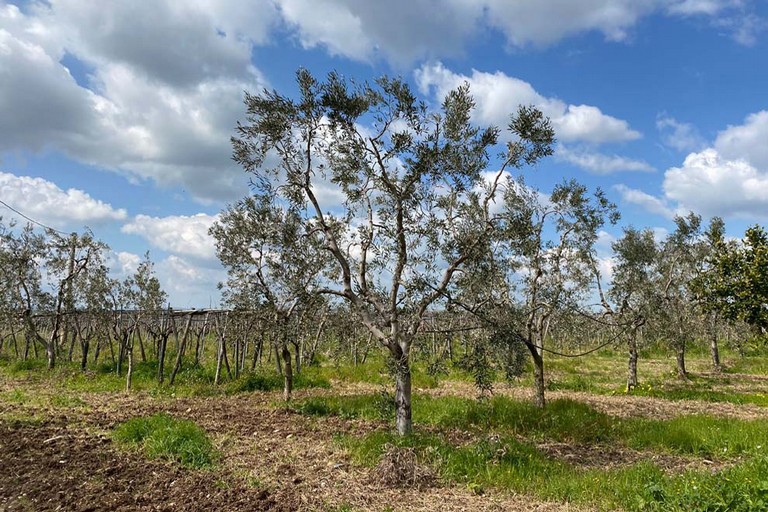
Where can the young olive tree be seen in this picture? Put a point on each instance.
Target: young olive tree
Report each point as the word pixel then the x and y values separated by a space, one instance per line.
pixel 272 254
pixel 69 261
pixel 632 289
pixel 550 242
pixel 143 293
pixel 706 285
pixel 678 263
pixel 21 281
pixel 394 193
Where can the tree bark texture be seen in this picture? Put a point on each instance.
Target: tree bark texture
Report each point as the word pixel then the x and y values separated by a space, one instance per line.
pixel 632 366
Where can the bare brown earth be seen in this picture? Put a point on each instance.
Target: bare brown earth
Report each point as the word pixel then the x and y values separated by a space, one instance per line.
pixel 62 458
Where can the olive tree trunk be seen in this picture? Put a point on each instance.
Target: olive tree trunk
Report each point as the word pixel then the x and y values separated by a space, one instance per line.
pixel 632 366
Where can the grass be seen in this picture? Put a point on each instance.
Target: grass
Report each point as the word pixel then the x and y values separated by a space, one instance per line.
pixel 504 433
pixel 504 462
pixel 697 389
pixel 190 381
pixel 262 380
pixel 166 437
pixel 564 421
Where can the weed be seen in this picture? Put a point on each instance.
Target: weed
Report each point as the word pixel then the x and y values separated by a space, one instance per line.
pixel 164 436
pixel 27 366
pixel 67 401
pixel 15 396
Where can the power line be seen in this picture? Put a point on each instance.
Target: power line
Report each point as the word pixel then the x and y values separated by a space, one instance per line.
pixel 33 221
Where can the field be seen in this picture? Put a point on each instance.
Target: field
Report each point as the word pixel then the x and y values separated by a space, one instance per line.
pixel 77 441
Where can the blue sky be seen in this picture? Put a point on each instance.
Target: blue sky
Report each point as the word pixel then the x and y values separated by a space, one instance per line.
pixel 119 117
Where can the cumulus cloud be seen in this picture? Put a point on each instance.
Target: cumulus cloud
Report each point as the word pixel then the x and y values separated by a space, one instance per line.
pixel 41 103
pixel 180 43
pixel 726 178
pixel 598 163
pixel 399 30
pixel 498 95
pixel 47 203
pixel 403 31
pixel 748 141
pixel 529 22
pixel 694 7
pixel 710 184
pixel 188 284
pixel 159 107
pixel 178 234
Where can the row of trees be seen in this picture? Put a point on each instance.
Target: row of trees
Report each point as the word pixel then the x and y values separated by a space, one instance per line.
pixel 46 278
pixel 375 220
pixel 363 195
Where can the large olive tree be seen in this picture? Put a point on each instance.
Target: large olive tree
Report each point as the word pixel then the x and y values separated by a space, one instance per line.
pixel 397 194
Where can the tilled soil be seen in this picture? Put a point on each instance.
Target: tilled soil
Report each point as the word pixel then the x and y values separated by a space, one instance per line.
pixel 52 467
pixel 62 458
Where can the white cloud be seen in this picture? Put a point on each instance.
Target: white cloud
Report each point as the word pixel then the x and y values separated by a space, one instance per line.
pixel 45 202
pixel 728 178
pixel 677 135
pixel 743 27
pixel 598 163
pixel 646 201
pixel 180 43
pixel 41 103
pixel 695 7
pixel 129 262
pixel 748 141
pixel 187 284
pixel 548 21
pixel 399 30
pixel 710 184
pixel 403 31
pixel 498 95
pixel 178 234
pixel 160 107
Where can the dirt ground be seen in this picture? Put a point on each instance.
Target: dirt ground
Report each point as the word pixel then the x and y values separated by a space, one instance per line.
pixel 62 458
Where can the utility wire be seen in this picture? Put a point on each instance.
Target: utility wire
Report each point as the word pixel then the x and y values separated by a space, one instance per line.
pixel 33 221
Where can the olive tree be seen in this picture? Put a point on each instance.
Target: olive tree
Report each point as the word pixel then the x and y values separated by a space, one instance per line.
pixel 143 293
pixel 22 252
pixel 395 193
pixel 678 263
pixel 70 261
pixel 550 245
pixel 632 289
pixel 273 255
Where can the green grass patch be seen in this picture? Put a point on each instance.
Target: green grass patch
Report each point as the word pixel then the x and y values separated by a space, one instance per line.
pixel 261 380
pixel 67 401
pixel 15 396
pixel 504 462
pixel 755 364
pixel 697 435
pixel 562 421
pixel 697 388
pixel 370 407
pixel 166 437
pixel 19 367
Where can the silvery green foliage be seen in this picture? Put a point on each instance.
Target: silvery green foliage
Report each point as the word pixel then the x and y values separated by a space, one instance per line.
pixel 395 195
